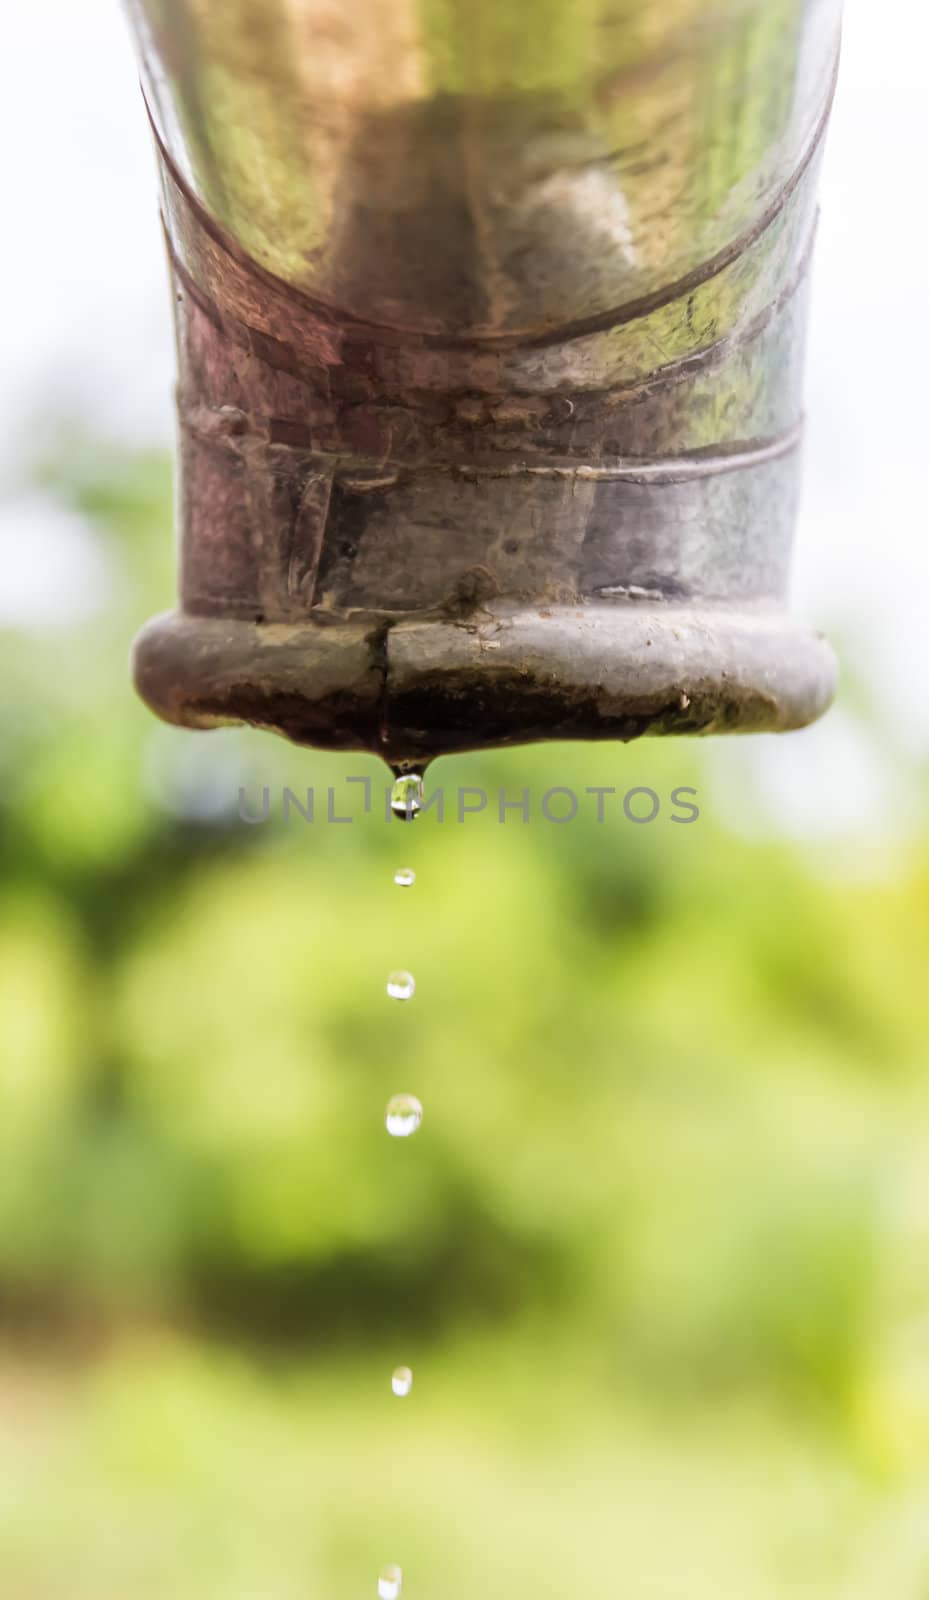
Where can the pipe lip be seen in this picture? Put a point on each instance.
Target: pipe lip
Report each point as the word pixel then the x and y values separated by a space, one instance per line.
pixel 421 687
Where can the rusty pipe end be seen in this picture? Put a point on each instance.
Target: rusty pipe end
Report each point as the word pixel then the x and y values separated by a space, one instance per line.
pixel 490 420
pixel 418 689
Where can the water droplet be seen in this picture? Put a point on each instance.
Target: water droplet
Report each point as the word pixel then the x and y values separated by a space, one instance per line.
pixel 401 985
pixel 403 1115
pixel 390 1582
pixel 402 1381
pixel 406 796
pixel 405 877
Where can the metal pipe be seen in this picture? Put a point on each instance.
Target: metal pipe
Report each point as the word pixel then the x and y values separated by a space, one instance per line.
pixel 490 321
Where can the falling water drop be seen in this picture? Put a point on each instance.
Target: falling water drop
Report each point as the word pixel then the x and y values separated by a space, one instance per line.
pixel 401 985
pixel 390 1582
pixel 404 877
pixel 406 796
pixel 403 1115
pixel 401 1381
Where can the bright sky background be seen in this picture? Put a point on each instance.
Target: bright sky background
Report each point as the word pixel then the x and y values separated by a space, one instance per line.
pixel 86 330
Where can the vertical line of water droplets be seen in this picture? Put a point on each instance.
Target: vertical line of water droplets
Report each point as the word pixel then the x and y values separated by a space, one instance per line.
pixel 404 1111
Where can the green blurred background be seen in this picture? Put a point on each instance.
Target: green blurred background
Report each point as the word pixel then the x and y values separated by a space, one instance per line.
pixel 658 1255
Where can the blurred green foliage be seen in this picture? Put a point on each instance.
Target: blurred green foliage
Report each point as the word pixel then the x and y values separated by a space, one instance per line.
pixel 657 1256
